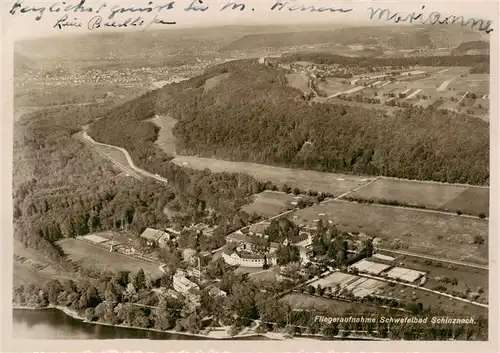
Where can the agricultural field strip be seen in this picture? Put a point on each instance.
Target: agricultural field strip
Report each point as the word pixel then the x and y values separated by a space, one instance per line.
pixel 440 259
pixel 129 159
pixel 424 289
pixel 461 99
pixel 432 196
pixel 443 86
pixel 465 254
pixel 414 209
pixel 355 189
pixel 124 168
pixel 417 91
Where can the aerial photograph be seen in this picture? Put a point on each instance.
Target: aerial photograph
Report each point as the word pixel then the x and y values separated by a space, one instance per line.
pixel 253 182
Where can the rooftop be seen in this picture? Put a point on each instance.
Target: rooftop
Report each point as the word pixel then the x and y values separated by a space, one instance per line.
pixel 152 234
pixel 239 238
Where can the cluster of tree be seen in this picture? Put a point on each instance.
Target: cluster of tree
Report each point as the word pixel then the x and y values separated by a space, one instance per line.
pixel 471 45
pixel 383 202
pixel 360 99
pixel 405 204
pixel 281 229
pixel 121 298
pixel 330 244
pixel 482 68
pixel 330 59
pixel 287 254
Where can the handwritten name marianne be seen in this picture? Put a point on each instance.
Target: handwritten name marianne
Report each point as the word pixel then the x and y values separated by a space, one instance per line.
pixel 433 18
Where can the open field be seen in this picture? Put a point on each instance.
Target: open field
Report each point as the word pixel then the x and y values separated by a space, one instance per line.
pixel 333 85
pixel 264 276
pixel 299 81
pixel 423 232
pixel 32 267
pixel 94 256
pixel 439 274
pixel 432 300
pixel 166 139
pixel 309 302
pixel 429 195
pixel 336 184
pixel 270 203
pixel 472 83
pixel 471 201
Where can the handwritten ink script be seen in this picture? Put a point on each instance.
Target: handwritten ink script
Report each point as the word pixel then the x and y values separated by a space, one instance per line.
pixel 433 18
pixel 101 15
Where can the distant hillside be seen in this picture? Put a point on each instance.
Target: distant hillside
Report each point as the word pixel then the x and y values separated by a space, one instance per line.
pixel 175 46
pixel 254 115
pixel 22 63
pixel 398 37
pixel 479 45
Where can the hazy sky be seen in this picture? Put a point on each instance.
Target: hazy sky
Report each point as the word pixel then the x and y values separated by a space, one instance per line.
pixel 24 25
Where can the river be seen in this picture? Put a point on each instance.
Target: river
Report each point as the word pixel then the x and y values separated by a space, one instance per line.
pixel 54 324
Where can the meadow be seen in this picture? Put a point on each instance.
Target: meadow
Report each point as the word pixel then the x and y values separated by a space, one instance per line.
pixel 270 203
pixel 93 256
pixel 336 184
pixel 420 194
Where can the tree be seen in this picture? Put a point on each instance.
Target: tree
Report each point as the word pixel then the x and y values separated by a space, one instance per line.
pixel 53 288
pixel 139 280
pixel 216 269
pixel 90 298
pixel 112 293
pixel 479 240
pixel 287 254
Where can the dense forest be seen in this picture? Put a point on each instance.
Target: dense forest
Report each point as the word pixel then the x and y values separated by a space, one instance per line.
pixel 62 190
pixel 254 116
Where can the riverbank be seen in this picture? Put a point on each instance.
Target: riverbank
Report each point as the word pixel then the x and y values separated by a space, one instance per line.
pixel 219 334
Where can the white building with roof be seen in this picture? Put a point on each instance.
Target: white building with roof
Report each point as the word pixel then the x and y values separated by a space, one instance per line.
pixel 155 236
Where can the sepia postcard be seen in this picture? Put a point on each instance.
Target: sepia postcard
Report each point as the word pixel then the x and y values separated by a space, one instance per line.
pixel 250 176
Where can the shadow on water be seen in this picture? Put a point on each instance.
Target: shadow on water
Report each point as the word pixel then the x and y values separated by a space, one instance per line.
pixel 54 324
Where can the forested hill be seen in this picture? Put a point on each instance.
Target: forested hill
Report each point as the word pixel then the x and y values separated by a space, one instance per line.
pixel 464 47
pixel 254 116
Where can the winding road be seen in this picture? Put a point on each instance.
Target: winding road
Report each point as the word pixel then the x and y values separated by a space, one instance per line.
pixel 136 170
